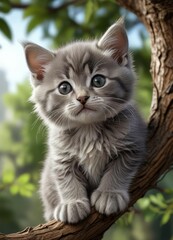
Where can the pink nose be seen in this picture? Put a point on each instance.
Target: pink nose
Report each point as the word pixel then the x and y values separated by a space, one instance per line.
pixel 83 99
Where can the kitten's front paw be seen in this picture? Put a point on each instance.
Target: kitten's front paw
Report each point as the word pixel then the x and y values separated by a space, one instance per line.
pixel 109 202
pixel 73 211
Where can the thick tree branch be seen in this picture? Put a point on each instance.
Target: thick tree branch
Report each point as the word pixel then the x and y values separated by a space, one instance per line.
pixel 96 224
pixel 158 18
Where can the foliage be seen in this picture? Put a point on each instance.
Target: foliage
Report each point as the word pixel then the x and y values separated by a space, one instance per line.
pixel 157 204
pixel 19 185
pixel 22 148
pixel 65 20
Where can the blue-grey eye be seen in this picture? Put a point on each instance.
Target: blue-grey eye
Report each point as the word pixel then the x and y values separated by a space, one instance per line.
pixel 98 81
pixel 65 88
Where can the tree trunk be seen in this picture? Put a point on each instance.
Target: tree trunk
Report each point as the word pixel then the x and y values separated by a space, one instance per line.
pixel 157 15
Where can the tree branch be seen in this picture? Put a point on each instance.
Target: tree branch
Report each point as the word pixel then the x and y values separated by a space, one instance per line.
pixel 160 129
pixel 96 224
pixel 133 6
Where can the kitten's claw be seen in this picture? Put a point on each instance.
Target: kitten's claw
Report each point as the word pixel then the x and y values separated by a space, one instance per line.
pixel 109 202
pixel 73 211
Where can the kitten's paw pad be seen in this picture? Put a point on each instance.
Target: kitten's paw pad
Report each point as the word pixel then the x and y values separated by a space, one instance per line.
pixel 109 202
pixel 72 212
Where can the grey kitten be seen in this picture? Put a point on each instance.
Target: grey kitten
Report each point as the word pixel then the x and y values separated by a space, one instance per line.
pixel 96 142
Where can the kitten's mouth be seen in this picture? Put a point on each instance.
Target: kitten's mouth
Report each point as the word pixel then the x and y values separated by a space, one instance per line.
pixel 84 109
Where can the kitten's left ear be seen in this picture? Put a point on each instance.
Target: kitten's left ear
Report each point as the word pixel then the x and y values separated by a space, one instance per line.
pixel 115 41
pixel 37 58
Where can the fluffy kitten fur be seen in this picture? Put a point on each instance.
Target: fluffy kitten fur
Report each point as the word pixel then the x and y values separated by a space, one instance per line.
pixel 96 141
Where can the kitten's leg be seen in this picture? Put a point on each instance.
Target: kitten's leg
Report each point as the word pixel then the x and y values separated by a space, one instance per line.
pixel 48 192
pixel 74 205
pixel 112 194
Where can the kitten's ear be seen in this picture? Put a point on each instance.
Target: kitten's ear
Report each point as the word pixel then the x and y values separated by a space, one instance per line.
pixel 37 58
pixel 115 41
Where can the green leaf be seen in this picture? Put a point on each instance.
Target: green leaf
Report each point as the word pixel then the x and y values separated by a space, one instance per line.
pixel 5 6
pixel 14 189
pixel 166 217
pixel 8 176
pixel 8 172
pixel 22 186
pixel 158 200
pixel 5 29
pixel 31 187
pixel 23 179
pixel 33 23
pixel 155 209
pixel 34 10
pixel 27 190
pixel 144 203
pixel 90 6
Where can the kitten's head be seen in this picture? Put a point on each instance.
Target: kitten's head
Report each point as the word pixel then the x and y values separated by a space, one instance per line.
pixel 83 82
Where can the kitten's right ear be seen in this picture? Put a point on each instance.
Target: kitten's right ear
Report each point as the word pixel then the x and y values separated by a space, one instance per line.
pixel 37 58
pixel 115 41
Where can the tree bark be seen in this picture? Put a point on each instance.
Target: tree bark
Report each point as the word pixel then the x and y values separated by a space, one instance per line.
pixel 157 16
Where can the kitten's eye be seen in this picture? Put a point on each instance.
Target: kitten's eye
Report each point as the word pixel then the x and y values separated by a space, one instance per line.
pixel 65 88
pixel 98 81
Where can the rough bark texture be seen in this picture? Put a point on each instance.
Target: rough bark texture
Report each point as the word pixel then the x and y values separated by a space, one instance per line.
pixel 157 15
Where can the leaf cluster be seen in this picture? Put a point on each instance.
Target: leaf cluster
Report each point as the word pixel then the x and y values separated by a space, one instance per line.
pixel 65 20
pixel 22 146
pixel 157 205
pixel 17 185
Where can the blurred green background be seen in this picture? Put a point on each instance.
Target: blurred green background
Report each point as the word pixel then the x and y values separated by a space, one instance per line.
pixel 23 137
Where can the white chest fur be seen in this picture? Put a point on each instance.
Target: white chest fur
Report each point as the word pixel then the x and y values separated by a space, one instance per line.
pixel 89 145
pixel 93 152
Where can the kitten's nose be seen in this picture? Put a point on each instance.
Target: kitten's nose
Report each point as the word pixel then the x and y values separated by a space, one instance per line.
pixel 83 99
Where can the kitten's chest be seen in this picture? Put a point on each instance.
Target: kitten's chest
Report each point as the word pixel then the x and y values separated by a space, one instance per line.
pixel 92 148
pixel 93 157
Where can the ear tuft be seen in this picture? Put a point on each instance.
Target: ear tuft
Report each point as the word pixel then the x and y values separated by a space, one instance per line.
pixel 37 58
pixel 115 41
